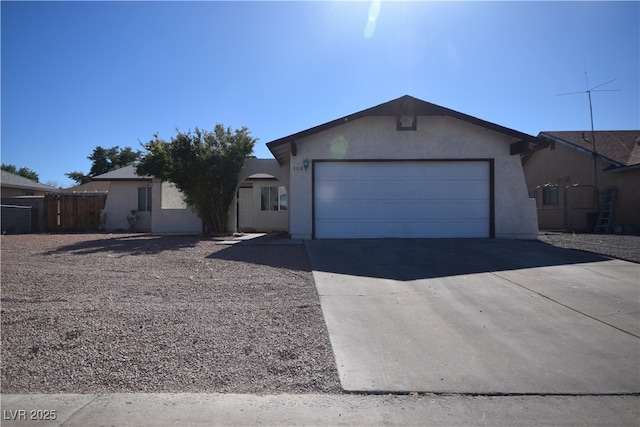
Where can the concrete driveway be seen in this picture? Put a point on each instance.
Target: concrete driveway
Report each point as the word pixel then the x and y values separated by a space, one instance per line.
pixel 478 316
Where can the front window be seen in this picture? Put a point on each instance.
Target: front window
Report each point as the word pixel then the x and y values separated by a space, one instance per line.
pixel 273 198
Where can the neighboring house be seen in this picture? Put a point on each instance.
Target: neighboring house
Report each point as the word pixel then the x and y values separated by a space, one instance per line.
pixel 405 168
pixel 91 187
pixel 564 180
pixel 22 203
pixel 129 200
pixel 13 185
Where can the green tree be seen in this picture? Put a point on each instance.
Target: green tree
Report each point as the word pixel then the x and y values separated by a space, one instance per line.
pixel 78 177
pixel 23 171
pixel 105 160
pixel 204 166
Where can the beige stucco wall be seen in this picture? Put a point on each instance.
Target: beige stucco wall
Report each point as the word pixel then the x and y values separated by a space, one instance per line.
pixel 264 220
pixel 565 167
pixel 436 138
pixel 170 214
pixel 269 166
pixel 122 202
pixel 15 192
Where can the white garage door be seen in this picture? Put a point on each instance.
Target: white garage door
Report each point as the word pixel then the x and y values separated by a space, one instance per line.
pixel 401 199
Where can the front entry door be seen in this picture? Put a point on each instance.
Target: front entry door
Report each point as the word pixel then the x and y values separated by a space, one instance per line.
pixel 245 208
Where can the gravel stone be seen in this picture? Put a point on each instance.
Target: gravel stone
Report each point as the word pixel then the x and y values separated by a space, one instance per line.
pixel 96 313
pixel 626 247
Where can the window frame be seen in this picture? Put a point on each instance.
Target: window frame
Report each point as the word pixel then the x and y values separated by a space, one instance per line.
pixel 144 199
pixel 271 199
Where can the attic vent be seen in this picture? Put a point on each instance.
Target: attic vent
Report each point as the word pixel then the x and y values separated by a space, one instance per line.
pixel 406 122
pixel 637 140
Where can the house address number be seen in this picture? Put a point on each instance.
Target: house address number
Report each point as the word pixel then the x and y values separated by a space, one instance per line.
pixel 303 168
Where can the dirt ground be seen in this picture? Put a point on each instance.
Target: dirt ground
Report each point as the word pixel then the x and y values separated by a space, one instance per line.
pixel 97 313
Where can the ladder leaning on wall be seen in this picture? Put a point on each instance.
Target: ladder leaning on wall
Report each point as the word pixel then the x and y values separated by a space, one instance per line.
pixel 605 216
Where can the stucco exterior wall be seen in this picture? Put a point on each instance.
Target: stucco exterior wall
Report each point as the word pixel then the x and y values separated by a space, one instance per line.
pixel 435 138
pixel 170 215
pixel 265 220
pixel 13 192
pixel 268 220
pixel 566 167
pixel 122 203
pixel 269 166
pixel 16 192
pixel 628 199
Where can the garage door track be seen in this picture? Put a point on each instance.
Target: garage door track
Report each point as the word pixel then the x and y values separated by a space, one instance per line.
pixel 478 316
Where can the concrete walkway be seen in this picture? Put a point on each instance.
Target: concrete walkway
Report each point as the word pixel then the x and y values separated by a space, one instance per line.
pixel 478 317
pixel 250 410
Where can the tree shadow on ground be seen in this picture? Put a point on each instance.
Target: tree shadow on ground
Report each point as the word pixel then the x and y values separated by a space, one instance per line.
pixel 129 244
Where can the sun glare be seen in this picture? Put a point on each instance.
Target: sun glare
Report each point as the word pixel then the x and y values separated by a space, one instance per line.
pixel 374 12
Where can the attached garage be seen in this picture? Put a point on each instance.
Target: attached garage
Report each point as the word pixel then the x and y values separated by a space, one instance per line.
pixel 408 169
pixel 378 199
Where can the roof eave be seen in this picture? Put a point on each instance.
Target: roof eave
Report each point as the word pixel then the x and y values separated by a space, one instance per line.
pixel 142 178
pixel 615 169
pixel 28 187
pixel 543 135
pixel 405 105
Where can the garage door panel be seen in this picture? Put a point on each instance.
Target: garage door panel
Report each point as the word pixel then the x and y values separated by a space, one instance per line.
pixel 472 210
pixel 402 199
pixel 445 229
pixel 467 191
pixel 334 229
pixel 380 211
pixel 373 229
pixel 441 211
pixel 364 229
pixel 363 211
pixel 467 229
pixel 398 189
pixel 375 190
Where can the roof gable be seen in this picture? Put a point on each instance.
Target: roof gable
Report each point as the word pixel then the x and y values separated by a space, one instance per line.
pixel 125 173
pixel 405 105
pixel 621 148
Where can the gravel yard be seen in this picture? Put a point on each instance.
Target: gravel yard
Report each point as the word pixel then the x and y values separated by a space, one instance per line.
pixel 98 313
pixel 611 245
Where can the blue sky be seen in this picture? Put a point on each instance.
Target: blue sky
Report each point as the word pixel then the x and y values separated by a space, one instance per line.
pixel 76 75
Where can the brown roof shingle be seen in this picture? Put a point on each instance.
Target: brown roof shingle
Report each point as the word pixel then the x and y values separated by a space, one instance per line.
pixel 621 147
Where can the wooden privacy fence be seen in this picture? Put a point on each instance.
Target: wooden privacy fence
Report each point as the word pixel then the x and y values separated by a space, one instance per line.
pixel 73 212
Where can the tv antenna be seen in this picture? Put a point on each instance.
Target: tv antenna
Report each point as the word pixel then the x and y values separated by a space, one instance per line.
pixel 593 133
